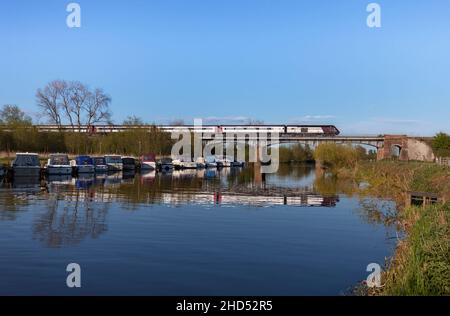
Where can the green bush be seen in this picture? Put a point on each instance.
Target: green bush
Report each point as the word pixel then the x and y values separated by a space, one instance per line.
pixel 337 156
pixel 441 145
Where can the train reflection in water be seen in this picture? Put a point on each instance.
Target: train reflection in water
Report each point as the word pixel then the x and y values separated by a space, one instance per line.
pixel 177 187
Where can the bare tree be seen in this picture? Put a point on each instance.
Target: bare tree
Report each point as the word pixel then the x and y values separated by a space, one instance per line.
pixel 65 95
pixel 97 107
pixel 74 102
pixel 79 96
pixel 48 100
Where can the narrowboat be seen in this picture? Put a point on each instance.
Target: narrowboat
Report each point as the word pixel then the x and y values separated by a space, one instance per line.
pixel 148 162
pixel 100 165
pixel 84 164
pixel 58 164
pixel 26 164
pixel 114 163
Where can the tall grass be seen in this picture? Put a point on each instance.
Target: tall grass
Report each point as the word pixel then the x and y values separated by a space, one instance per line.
pixel 421 265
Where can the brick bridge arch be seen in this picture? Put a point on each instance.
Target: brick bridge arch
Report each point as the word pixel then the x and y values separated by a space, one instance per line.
pixel 410 148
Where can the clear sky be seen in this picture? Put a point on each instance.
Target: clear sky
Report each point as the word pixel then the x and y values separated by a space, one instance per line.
pixel 280 61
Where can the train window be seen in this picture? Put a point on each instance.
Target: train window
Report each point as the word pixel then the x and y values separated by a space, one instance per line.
pixel 304 130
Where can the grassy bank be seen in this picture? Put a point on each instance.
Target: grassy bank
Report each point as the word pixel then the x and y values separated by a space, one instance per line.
pixel 421 264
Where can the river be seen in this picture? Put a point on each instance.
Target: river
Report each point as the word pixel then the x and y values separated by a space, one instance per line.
pixel 199 232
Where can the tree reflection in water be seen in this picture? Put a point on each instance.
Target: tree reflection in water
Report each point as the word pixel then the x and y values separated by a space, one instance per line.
pixel 71 216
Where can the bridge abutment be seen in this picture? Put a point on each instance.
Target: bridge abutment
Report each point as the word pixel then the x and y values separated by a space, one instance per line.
pixel 405 148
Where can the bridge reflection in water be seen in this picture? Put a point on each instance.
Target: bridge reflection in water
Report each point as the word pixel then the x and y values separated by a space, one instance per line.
pixel 203 187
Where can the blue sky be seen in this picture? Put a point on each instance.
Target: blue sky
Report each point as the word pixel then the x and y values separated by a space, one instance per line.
pixel 228 60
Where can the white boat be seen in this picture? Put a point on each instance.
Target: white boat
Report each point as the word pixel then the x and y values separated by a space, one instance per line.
pixel 211 162
pixel 114 163
pixel 237 164
pixel 100 165
pixel 200 161
pixel 223 162
pixel 84 164
pixel 184 163
pixel 165 164
pixel 26 164
pixel 58 164
pixel 148 162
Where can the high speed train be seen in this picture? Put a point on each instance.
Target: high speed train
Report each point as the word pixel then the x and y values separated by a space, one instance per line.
pixel 304 130
pixel 300 130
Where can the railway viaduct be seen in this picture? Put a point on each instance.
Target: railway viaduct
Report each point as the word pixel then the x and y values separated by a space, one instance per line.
pixel 402 147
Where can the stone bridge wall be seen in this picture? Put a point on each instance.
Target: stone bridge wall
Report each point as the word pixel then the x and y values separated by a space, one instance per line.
pixel 410 148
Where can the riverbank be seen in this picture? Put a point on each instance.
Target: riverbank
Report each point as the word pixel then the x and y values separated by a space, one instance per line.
pixel 421 263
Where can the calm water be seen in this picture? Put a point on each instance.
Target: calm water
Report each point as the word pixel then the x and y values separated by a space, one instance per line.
pixel 208 232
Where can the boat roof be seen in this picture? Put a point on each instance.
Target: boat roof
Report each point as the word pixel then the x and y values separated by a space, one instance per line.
pixel 28 154
pixel 81 158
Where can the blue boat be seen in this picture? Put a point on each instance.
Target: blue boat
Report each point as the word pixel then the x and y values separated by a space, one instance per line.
pixel 84 164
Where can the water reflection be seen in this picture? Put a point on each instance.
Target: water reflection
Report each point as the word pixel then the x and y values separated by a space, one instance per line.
pixel 77 207
pixel 69 222
pixel 185 226
pixel 227 186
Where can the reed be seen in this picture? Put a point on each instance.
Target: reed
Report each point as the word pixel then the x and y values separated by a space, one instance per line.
pixel 421 264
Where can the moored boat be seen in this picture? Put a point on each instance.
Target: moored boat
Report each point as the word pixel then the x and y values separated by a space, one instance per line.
pixel 148 161
pixel 114 162
pixel 184 163
pixel 128 164
pixel 223 162
pixel 165 164
pixel 84 164
pixel 237 163
pixel 58 164
pixel 100 165
pixel 26 164
pixel 200 162
pixel 211 162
